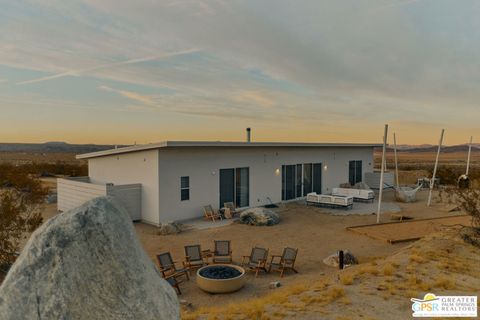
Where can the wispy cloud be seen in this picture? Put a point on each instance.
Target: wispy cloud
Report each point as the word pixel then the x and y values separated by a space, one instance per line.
pixel 106 66
pixel 145 99
pixel 392 4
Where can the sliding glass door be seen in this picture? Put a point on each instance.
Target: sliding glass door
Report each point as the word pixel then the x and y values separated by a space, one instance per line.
pixel 234 187
pixel 307 179
pixel 300 179
pixel 241 187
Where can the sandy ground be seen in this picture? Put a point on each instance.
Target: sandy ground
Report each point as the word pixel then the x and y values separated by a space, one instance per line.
pixel 314 231
pixel 410 230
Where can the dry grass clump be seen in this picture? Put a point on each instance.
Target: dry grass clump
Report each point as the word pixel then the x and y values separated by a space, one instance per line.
pixel 325 297
pixel 388 269
pixel 369 269
pixel 347 279
pixel 417 258
pixel 444 283
pixel 252 309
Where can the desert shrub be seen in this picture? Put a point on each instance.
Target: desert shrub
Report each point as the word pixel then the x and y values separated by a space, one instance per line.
pixel 467 200
pixel 38 169
pixel 21 201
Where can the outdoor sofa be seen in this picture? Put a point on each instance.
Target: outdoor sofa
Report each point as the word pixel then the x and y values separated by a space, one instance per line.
pixel 331 201
pixel 357 194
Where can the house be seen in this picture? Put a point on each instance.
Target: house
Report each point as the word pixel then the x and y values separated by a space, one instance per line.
pixel 173 180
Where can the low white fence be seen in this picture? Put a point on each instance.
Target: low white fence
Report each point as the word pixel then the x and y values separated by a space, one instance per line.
pixel 73 192
pixel 373 179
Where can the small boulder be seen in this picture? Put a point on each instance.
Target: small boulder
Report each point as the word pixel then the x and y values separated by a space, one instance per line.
pixel 348 259
pixel 259 217
pixel 169 228
pixel 86 263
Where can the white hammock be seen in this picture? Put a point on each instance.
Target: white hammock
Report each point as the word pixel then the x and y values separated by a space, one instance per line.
pixel 406 194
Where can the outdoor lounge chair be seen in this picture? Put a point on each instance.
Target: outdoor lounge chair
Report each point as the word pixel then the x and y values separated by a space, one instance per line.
pixel 326 200
pixel 174 282
pixel 168 268
pixel 360 195
pixel 210 213
pixel 193 257
pixel 230 209
pixel 223 252
pixel 257 260
pixel 284 262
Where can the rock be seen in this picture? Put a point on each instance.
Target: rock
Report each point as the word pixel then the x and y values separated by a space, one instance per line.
pixel 86 263
pixel 186 304
pixel 259 217
pixel 169 228
pixel 345 185
pixel 348 259
pixel 361 186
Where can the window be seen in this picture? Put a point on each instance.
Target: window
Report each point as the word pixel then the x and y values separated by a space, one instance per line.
pixel 355 172
pixel 184 188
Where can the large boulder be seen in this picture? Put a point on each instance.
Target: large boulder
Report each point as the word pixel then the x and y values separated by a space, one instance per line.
pixel 86 264
pixel 259 217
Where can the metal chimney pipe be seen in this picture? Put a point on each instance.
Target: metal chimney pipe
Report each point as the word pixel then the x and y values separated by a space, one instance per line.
pixel 249 136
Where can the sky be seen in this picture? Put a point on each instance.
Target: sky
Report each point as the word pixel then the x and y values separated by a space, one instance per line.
pixel 124 72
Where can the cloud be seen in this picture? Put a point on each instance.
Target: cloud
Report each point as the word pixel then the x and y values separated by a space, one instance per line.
pixel 106 66
pixel 130 95
pixel 274 59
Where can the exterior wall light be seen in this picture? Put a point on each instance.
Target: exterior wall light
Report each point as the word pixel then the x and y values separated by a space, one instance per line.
pixel 277 172
pixel 325 167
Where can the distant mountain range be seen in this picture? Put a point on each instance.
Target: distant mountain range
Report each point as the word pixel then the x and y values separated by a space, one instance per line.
pixel 53 147
pixel 63 147
pixel 432 148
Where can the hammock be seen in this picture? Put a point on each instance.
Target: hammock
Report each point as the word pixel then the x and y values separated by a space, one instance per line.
pixel 406 194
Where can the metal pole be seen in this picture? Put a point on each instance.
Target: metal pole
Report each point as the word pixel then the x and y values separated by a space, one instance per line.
pixel 468 158
pixel 396 160
pixel 382 172
pixel 432 182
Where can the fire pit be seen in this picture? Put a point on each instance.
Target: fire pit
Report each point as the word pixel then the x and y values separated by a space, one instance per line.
pixel 221 278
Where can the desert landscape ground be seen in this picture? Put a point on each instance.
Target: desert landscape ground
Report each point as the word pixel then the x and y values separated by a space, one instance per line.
pixel 387 276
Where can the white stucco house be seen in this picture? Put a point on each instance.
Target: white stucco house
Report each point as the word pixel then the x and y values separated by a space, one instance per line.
pixel 173 180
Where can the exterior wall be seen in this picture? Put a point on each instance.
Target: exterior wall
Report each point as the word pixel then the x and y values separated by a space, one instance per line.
pixel 131 168
pixel 202 166
pixel 130 196
pixel 75 192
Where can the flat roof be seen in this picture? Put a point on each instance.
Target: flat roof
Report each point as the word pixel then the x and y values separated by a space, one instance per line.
pixel 214 144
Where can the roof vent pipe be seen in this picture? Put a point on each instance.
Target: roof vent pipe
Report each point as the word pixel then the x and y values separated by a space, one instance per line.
pixel 249 138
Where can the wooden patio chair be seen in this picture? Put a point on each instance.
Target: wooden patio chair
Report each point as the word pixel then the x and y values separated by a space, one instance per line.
pixel 174 282
pixel 257 260
pixel 193 257
pixel 284 262
pixel 230 209
pixel 210 213
pixel 168 267
pixel 223 252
